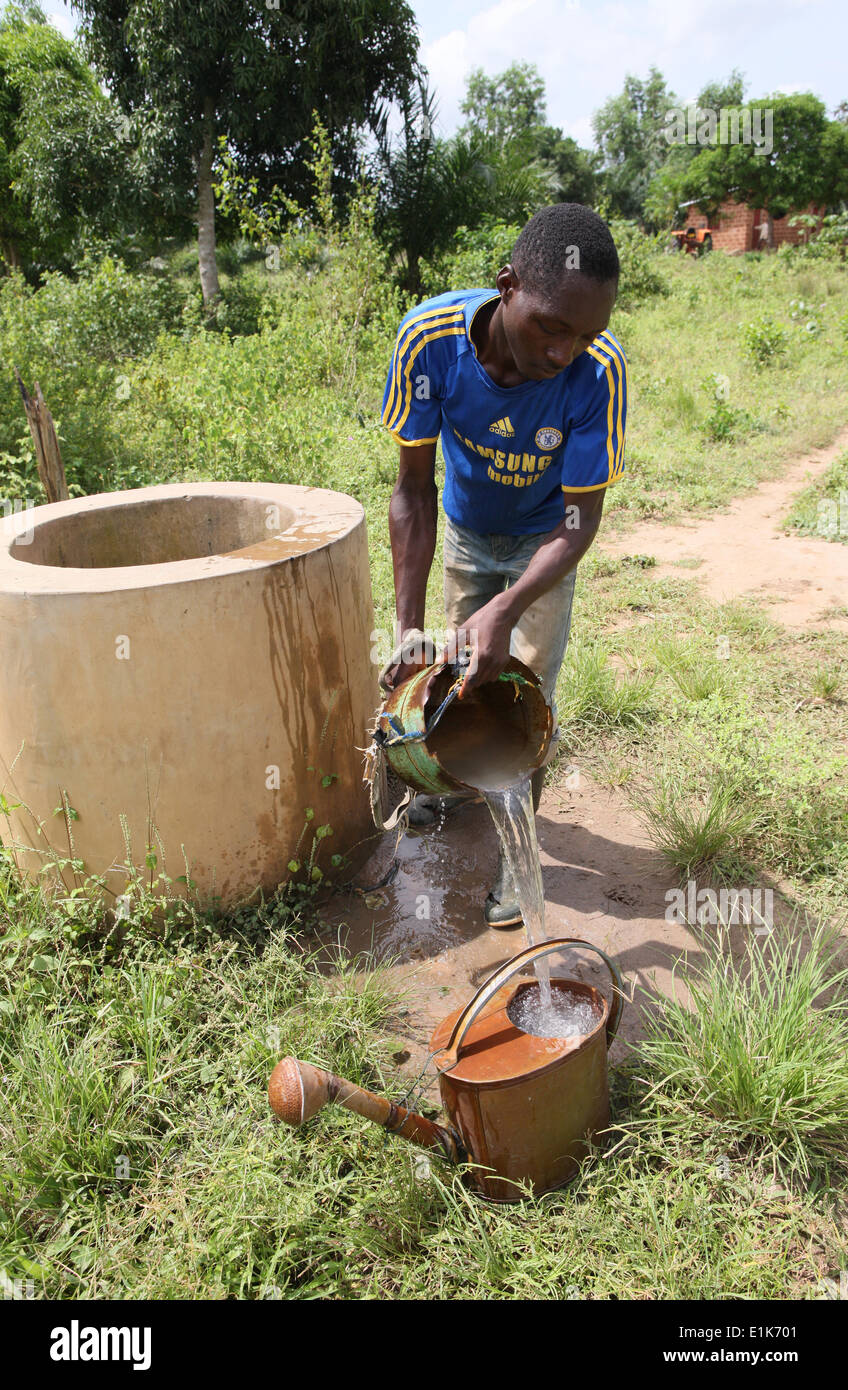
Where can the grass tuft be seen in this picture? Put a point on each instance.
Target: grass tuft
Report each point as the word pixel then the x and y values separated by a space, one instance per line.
pixel 759 1053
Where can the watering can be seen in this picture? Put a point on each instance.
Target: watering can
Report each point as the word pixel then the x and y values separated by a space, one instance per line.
pixel 438 744
pixel 521 1109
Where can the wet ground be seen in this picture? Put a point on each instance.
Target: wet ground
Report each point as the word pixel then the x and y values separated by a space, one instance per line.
pixel 603 882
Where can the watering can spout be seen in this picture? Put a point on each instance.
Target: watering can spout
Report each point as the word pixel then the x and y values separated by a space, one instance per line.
pixel 297 1091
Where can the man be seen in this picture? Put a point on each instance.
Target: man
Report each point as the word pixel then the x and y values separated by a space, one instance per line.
pixel 528 392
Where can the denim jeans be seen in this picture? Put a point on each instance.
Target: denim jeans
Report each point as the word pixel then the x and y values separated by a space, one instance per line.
pixel 478 567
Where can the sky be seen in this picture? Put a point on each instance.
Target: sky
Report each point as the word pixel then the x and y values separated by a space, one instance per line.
pixel 585 49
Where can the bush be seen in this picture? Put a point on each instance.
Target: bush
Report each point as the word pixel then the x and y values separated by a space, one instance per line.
pixel 478 254
pixel 765 341
pixel 641 258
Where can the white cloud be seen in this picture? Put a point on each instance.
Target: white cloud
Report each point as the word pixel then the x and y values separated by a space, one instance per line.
pixel 585 50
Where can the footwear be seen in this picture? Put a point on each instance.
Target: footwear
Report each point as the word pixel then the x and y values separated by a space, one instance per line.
pixel 501 908
pixel 426 810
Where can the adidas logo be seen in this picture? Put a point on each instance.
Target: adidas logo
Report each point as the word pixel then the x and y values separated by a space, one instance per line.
pixel 502 427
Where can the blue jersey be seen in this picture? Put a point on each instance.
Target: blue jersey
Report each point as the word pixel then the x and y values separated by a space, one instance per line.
pixel 510 452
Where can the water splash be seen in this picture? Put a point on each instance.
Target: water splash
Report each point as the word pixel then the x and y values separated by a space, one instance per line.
pixel 567 1015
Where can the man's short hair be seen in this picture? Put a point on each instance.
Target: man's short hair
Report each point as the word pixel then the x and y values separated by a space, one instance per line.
pixel 563 237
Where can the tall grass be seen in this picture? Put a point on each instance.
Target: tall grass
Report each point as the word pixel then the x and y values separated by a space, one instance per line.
pixel 695 836
pixel 595 696
pixel 759 1053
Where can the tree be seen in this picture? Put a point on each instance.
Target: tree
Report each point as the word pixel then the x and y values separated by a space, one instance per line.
pixel 629 130
pixel 75 174
pixel 42 74
pixel 805 164
pixel 429 187
pixel 506 107
pixel 510 109
pixel 665 192
pixel 253 73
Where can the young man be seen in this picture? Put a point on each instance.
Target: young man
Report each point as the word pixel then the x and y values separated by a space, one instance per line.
pixel 528 392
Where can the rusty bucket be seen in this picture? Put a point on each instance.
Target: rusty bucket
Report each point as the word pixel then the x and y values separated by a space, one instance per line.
pixel 436 743
pixel 525 1107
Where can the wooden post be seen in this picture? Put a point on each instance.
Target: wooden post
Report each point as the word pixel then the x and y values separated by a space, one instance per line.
pixel 51 470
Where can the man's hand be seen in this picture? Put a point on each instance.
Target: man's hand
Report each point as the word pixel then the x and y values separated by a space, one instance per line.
pixel 487 633
pixel 488 630
pixel 413 654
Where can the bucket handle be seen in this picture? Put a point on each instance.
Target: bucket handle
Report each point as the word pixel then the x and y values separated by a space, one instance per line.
pixel 448 1056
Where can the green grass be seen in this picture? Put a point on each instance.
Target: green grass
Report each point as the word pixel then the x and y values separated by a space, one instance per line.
pixel 695 837
pixel 137 1153
pixel 140 1159
pixel 759 1051
pixel 822 508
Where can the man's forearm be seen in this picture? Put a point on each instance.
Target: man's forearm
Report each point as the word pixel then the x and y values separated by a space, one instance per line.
pixel 412 528
pixel 556 557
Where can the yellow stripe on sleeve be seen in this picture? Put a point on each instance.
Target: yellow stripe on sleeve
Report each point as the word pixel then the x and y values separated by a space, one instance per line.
pixel 411 330
pixel 610 357
pixel 407 391
pixel 610 455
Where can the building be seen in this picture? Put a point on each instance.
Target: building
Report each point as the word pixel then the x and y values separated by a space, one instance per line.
pixel 737 227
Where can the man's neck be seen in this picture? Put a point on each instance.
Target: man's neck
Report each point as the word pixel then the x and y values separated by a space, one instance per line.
pixel 493 352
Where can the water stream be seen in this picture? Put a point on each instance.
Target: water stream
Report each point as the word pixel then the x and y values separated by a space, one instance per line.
pixel 515 821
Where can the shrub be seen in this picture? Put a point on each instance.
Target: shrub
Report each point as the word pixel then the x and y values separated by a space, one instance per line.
pixel 641 259
pixel 477 256
pixel 765 341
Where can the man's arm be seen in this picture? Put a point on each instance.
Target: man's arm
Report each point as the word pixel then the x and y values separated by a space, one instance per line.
pixel 413 513
pixel 556 557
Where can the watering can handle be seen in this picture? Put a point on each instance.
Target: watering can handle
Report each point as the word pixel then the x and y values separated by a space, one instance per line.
pixel 449 1055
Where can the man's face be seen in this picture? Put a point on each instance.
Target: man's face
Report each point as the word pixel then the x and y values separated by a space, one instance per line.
pixel 545 333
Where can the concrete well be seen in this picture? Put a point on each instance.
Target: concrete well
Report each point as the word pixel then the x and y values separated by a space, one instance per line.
pixel 193 661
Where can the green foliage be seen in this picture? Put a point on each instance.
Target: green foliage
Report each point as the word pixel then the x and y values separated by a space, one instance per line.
pixel 641 264
pixel 476 257
pixel 62 167
pixel 801 167
pixel 629 131
pixel 510 109
pixel 766 341
pixel 822 508
pixel 758 1050
pixel 507 106
pixel 429 187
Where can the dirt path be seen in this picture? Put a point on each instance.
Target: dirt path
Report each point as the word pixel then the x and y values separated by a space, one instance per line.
pixel 744 552
pixel 604 882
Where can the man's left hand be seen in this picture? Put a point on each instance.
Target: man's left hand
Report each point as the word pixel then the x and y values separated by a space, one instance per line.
pixel 487 632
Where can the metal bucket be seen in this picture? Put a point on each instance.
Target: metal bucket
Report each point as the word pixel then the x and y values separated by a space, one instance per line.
pixel 524 1107
pixel 439 744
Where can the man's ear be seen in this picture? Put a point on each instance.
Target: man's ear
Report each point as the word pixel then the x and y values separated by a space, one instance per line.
pixel 507 281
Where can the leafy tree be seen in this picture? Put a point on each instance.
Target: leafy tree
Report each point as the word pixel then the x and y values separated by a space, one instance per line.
pixel 630 134
pixel 46 90
pixel 506 107
pixel 510 109
pixel 806 164
pixel 662 206
pixel 75 176
pixel 429 187
pixel 254 74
